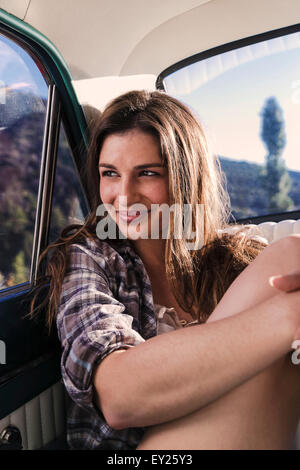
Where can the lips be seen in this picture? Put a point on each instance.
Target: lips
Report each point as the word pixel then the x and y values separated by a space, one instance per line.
pixel 129 216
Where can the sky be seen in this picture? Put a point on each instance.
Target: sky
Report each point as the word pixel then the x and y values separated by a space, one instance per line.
pixel 229 101
pixel 18 71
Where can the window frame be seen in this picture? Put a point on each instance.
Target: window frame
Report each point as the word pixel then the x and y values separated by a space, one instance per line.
pixel 230 46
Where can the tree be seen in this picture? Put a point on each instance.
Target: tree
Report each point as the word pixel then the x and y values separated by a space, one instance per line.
pixel 20 270
pixel 276 179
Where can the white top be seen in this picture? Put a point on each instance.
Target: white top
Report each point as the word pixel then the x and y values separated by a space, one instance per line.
pixel 168 320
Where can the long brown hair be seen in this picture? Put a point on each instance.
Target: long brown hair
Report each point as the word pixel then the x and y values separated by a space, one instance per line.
pixel 199 278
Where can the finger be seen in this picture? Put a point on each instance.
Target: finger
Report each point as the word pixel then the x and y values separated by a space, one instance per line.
pixel 287 283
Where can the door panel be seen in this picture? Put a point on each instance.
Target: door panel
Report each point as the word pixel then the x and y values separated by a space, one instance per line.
pixel 41 420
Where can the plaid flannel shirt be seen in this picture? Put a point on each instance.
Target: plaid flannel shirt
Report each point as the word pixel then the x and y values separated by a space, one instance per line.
pixel 106 304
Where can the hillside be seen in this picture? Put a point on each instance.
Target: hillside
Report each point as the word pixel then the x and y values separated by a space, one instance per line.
pixel 245 188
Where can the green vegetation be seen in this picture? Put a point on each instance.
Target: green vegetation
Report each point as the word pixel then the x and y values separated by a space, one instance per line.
pixel 248 195
pixel 21 140
pixel 264 189
pixel 275 178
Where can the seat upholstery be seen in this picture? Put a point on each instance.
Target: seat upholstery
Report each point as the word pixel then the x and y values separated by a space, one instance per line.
pixel 41 420
pixel 273 231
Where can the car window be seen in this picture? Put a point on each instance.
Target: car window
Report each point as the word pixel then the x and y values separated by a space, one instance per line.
pixel 69 205
pixel 23 104
pixel 248 99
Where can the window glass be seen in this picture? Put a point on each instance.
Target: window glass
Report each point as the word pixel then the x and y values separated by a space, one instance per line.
pixel 23 103
pixel 248 100
pixel 69 206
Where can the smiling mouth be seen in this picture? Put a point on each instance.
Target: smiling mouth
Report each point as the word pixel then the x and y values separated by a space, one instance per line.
pixel 129 216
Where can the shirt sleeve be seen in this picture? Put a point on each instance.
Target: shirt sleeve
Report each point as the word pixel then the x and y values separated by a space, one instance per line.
pixel 91 324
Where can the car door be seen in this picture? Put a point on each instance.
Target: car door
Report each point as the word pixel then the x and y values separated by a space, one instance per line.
pixel 42 150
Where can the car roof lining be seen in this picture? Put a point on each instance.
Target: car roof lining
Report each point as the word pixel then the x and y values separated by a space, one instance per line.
pixel 116 38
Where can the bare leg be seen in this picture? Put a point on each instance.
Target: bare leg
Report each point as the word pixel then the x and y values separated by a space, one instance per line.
pixel 252 286
pixel 263 412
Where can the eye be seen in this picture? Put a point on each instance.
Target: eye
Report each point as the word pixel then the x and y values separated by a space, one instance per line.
pixel 109 173
pixel 149 173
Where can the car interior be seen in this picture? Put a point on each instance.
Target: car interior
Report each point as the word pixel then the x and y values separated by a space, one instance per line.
pixel 235 63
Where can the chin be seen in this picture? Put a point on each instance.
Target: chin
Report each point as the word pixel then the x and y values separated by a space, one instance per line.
pixel 133 234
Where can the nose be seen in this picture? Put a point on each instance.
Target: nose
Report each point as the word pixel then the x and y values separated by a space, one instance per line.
pixel 128 189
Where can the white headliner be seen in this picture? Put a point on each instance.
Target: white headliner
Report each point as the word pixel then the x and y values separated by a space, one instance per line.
pixel 136 39
pixel 124 37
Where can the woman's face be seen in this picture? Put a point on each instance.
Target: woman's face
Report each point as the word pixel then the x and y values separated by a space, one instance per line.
pixel 131 173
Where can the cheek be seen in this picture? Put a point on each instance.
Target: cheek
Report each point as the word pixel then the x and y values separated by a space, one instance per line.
pixel 159 192
pixel 107 198
pixel 106 192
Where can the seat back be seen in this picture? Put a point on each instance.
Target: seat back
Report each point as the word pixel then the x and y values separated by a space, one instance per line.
pixel 273 231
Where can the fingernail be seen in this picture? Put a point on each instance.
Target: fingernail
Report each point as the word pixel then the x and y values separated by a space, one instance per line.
pixel 271 279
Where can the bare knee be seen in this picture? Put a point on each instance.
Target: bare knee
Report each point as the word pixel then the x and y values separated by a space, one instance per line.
pixel 291 241
pixel 286 253
pixel 252 285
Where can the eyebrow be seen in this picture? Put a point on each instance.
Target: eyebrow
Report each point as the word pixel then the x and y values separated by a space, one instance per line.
pixel 138 167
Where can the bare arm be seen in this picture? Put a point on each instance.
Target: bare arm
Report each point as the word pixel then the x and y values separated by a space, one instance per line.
pixel 174 374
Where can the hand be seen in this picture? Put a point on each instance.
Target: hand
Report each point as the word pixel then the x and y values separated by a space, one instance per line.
pixel 287 283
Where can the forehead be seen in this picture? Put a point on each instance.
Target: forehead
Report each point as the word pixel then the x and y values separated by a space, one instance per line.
pixel 132 145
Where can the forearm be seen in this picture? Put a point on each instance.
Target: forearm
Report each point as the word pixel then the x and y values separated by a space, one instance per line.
pixel 174 374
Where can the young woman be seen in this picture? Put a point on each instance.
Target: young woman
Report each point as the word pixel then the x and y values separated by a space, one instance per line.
pixel 166 344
